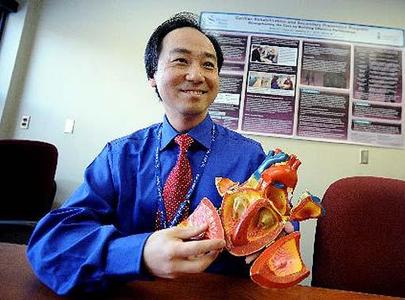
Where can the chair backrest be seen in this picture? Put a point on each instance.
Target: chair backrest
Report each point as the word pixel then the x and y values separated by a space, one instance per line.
pixel 27 186
pixel 360 243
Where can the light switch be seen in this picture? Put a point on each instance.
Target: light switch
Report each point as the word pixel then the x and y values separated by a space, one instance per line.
pixel 69 126
pixel 25 122
pixel 363 156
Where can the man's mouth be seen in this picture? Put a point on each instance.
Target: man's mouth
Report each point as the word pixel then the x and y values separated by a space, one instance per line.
pixel 194 92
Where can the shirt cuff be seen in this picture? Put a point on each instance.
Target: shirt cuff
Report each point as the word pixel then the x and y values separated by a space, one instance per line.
pixel 124 258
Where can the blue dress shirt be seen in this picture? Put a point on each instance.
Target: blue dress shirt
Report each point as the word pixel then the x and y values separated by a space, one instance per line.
pixel 97 236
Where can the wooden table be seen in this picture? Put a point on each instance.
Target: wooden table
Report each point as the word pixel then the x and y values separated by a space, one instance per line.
pixel 17 281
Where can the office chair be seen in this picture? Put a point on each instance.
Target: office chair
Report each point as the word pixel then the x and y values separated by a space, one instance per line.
pixel 360 243
pixel 27 186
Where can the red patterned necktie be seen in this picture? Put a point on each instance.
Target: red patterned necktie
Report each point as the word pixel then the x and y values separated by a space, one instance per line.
pixel 179 180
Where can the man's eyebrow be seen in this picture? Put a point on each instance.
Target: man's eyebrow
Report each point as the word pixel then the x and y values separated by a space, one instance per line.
pixel 186 51
pixel 180 50
pixel 210 55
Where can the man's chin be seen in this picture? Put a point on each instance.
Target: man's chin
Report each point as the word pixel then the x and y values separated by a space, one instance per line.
pixel 194 98
pixel 191 113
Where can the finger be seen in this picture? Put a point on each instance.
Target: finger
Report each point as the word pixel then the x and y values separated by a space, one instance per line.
pixel 252 257
pixel 185 233
pixel 193 248
pixel 198 264
pixel 288 227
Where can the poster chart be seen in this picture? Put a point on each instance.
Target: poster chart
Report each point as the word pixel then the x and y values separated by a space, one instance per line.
pixel 314 80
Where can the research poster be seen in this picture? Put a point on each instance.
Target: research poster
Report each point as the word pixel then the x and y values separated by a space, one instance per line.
pixel 313 80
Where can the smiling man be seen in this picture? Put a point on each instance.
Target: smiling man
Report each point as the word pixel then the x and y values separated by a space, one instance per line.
pixel 120 224
pixel 186 77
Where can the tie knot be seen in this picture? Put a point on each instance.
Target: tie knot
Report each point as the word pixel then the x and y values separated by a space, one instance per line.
pixel 184 141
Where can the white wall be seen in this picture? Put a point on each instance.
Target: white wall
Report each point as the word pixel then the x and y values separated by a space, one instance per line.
pixel 86 63
pixel 9 50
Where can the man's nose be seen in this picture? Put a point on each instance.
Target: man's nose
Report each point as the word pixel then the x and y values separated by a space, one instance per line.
pixel 195 74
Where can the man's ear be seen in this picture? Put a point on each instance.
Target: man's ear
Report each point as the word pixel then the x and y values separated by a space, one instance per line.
pixel 152 82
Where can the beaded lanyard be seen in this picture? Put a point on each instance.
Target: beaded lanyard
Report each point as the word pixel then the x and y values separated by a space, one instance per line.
pixel 162 218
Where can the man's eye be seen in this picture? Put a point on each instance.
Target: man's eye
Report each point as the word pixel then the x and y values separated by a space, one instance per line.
pixel 180 60
pixel 209 65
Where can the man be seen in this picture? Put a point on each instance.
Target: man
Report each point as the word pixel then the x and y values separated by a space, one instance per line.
pixel 288 84
pixel 106 231
pixel 257 54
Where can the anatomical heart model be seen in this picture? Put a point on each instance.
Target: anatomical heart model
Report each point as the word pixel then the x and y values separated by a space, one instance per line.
pixel 253 215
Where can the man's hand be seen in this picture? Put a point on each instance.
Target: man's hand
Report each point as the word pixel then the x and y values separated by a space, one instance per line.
pixel 169 253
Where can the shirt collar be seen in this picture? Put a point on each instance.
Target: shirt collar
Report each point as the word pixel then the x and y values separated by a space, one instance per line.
pixel 201 133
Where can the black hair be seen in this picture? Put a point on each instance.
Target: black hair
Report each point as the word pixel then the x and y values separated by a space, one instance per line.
pixel 154 45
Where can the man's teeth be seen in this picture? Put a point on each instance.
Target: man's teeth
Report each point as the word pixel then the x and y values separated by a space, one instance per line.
pixel 195 92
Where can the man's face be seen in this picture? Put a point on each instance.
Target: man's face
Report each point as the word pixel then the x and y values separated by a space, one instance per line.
pixel 187 74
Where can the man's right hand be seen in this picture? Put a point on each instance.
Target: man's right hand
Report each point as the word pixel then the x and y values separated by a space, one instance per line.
pixel 168 253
